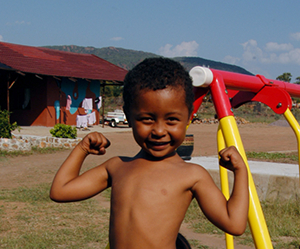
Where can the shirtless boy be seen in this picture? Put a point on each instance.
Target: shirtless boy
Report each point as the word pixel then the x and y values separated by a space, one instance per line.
pixel 151 192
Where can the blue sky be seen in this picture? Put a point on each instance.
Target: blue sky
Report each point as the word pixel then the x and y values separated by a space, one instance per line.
pixel 261 36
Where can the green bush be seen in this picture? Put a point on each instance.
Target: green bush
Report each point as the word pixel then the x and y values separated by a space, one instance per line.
pixel 5 126
pixel 64 131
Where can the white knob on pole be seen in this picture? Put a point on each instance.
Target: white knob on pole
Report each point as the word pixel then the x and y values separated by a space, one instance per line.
pixel 201 76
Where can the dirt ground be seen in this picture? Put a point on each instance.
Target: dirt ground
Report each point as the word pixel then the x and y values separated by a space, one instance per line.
pixel 39 168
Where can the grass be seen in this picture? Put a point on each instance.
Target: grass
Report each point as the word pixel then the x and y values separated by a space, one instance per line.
pixel 283 222
pixel 4 153
pixel 282 217
pixel 274 157
pixel 34 150
pixel 29 219
pixel 196 244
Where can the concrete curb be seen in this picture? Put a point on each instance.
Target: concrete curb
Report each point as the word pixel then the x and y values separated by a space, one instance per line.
pixel 272 180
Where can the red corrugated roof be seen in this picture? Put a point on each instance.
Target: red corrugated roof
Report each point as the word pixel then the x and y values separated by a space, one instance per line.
pixel 44 61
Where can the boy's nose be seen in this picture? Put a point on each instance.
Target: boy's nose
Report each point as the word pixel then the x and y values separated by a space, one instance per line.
pixel 158 129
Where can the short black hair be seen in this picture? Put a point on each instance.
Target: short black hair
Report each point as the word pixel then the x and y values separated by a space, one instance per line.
pixel 155 74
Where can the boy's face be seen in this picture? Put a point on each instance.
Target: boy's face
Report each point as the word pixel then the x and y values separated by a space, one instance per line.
pixel 159 119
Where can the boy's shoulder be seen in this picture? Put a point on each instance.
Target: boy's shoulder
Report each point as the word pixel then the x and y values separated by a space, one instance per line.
pixel 197 174
pixel 118 161
pixel 195 169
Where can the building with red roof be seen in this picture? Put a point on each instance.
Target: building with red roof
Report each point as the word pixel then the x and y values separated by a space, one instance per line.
pixel 42 86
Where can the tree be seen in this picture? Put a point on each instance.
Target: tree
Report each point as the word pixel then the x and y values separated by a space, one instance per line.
pixel 5 126
pixel 117 91
pixel 287 77
pixel 298 80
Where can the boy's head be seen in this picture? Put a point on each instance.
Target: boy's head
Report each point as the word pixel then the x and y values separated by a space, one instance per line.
pixel 154 74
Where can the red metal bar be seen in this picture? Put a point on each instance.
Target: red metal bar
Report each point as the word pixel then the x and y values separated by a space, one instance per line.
pixel 220 97
pixel 243 82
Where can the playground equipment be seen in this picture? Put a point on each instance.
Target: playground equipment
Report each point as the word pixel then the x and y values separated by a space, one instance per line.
pixel 230 90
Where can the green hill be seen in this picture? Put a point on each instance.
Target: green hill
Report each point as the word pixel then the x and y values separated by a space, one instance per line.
pixel 190 62
pixel 127 58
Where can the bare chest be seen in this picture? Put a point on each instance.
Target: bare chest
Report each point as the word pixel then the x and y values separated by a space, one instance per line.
pixel 151 183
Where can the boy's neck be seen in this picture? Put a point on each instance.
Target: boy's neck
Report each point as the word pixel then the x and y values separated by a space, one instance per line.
pixel 143 154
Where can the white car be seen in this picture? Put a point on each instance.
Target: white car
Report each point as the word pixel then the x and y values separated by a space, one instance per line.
pixel 116 117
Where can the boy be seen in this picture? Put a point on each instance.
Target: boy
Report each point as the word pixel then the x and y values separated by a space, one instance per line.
pixel 151 192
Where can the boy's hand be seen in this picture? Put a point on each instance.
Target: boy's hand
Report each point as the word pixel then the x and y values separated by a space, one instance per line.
pixel 231 159
pixel 94 143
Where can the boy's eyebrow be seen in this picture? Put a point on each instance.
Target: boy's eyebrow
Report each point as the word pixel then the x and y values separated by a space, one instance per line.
pixel 153 113
pixel 172 113
pixel 143 113
pixel 165 115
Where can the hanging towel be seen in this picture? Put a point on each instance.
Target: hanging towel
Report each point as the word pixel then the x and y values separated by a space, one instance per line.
pixel 69 102
pixel 87 104
pixel 91 118
pixel 81 121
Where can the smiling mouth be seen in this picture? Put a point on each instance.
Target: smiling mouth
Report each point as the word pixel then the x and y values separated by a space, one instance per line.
pixel 157 144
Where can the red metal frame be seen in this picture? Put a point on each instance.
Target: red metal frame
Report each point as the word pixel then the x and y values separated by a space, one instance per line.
pixel 243 82
pixel 243 88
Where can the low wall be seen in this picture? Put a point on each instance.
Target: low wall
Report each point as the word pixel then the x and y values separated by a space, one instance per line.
pixel 272 180
pixel 268 187
pixel 26 142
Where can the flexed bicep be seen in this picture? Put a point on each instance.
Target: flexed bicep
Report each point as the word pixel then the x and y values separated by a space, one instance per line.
pixel 68 184
pixel 210 199
pixel 82 187
pixel 228 215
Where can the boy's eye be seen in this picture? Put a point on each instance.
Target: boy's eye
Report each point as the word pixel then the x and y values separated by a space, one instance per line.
pixel 146 119
pixel 173 119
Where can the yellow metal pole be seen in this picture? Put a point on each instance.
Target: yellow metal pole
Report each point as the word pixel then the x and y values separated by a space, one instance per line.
pixel 256 218
pixel 296 128
pixel 224 184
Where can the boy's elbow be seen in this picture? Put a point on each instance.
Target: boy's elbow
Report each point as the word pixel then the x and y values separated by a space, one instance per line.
pixel 55 196
pixel 237 230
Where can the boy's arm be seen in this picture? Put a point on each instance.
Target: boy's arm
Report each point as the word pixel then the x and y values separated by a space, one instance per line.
pixel 230 216
pixel 68 185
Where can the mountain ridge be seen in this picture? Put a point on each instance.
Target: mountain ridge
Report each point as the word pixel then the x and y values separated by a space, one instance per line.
pixel 128 58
